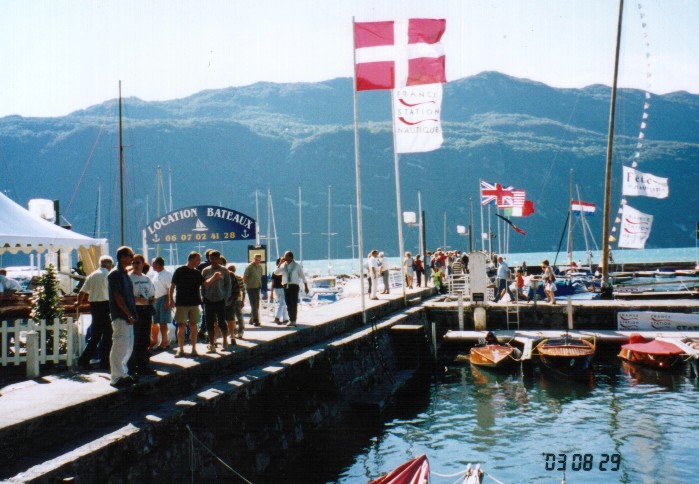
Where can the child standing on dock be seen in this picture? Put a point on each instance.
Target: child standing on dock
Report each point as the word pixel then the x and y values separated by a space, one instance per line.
pixel 549 282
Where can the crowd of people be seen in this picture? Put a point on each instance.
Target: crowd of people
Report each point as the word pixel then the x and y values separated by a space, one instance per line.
pixel 443 264
pixel 132 304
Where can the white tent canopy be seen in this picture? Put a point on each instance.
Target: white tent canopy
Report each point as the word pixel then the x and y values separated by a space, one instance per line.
pixel 22 231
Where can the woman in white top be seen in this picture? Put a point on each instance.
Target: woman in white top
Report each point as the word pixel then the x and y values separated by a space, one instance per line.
pixel 409 271
pixel 144 295
pixel 549 282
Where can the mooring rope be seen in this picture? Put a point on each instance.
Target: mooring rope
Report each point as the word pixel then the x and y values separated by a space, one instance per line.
pixel 463 473
pixel 192 439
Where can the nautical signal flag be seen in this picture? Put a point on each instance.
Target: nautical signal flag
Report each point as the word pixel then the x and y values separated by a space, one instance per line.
pixel 399 53
pixel 579 207
pixel 517 229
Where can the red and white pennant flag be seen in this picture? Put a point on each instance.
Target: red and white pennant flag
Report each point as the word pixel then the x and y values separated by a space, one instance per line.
pixel 399 53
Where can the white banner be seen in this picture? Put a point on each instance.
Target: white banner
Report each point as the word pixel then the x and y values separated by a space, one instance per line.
pixel 652 321
pixel 635 228
pixel 638 184
pixel 417 118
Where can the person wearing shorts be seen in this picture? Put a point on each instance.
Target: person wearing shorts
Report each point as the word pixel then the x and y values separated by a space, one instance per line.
pixel 187 280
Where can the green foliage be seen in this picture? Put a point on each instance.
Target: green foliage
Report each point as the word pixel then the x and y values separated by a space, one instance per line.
pixel 47 305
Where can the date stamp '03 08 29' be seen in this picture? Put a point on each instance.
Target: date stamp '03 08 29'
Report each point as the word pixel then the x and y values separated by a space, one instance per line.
pixel 581 462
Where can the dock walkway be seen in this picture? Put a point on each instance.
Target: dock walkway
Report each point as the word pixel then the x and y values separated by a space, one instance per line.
pixel 64 409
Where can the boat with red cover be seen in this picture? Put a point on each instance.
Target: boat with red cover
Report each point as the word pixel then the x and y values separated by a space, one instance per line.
pixel 416 471
pixel 653 354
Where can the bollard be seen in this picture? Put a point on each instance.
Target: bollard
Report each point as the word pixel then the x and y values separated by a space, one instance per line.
pixel 461 311
pixel 32 354
pixel 479 318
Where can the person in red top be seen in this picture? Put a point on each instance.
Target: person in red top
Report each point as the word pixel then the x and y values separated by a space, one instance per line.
pixel 520 285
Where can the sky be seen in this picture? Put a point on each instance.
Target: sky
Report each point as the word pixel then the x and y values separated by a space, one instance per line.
pixel 59 56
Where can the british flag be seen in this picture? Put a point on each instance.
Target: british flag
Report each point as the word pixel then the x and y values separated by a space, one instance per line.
pixel 494 192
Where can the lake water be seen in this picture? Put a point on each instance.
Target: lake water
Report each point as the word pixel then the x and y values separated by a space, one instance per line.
pixel 533 259
pixel 619 427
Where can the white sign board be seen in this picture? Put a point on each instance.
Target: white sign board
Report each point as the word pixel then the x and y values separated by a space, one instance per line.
pixel 657 321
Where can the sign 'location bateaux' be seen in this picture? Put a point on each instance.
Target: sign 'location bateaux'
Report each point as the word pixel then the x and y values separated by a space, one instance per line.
pixel 203 223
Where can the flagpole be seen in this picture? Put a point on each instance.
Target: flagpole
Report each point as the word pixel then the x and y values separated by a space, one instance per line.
pixel 480 193
pixel 357 175
pixel 470 224
pixel 490 236
pixel 399 212
pixel 497 212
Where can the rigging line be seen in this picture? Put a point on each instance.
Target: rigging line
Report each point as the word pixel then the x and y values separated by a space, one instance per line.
pixel 89 158
pixel 194 437
pixel 547 177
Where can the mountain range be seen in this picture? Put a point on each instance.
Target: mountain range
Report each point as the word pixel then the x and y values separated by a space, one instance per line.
pixel 220 147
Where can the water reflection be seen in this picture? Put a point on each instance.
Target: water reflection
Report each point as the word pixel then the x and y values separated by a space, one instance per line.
pixel 507 422
pixel 640 375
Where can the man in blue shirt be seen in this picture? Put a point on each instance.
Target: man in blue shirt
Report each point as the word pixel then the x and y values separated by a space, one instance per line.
pixel 122 308
pixel 502 275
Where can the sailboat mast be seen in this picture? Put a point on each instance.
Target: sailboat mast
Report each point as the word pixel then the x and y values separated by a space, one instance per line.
pixel 606 285
pixel 121 168
pixel 570 224
pixel 352 231
pixel 585 229
pixel 269 219
pixel 330 233
pixel 159 182
pixel 98 232
pixel 257 217
pixel 300 228
pixel 445 230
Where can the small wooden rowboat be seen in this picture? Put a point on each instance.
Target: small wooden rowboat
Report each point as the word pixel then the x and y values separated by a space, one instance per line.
pixel 495 356
pixel 568 356
pixel 653 354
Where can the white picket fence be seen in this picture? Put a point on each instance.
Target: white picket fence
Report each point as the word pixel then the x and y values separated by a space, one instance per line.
pixel 19 330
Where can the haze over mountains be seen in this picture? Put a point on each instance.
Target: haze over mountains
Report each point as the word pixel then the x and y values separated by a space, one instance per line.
pixel 222 145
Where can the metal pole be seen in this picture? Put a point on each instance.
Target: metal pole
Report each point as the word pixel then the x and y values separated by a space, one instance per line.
pixel 482 229
pixel 357 174
pixel 421 248
pixel 399 211
pixel 121 168
pixel 470 224
pixel 606 285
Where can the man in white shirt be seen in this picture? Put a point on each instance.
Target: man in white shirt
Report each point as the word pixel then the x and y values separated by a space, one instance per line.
pixel 8 284
pixel 96 290
pixel 374 269
pixel 163 312
pixel 292 271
